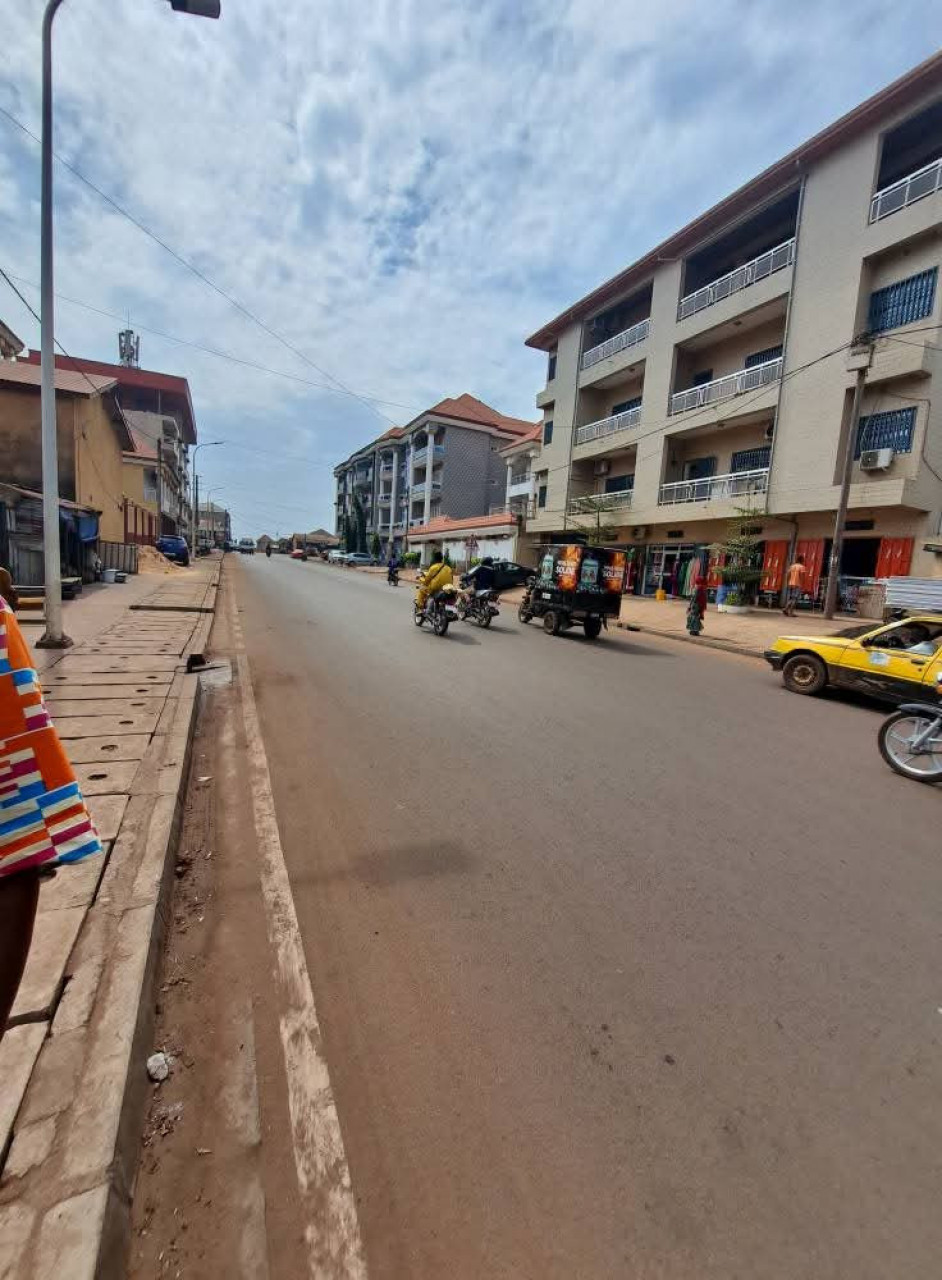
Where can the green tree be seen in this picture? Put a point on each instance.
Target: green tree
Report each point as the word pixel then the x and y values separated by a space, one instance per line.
pixel 358 532
pixel 375 546
pixel 740 569
pixel 586 516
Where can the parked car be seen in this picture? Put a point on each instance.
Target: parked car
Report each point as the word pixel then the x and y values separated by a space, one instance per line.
pixel 360 558
pixel 174 548
pixel 508 574
pixel 298 554
pixel 892 662
pixel 247 546
pixel 337 557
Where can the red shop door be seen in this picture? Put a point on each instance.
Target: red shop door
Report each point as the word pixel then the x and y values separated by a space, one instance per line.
pixel 773 565
pixel 812 552
pixel 895 557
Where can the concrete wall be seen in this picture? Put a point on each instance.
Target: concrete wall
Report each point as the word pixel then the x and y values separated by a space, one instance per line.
pixel 473 474
pixel 99 466
pixel 21 439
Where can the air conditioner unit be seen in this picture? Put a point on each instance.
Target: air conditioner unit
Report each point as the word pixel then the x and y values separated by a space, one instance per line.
pixel 640 531
pixel 602 468
pixel 876 459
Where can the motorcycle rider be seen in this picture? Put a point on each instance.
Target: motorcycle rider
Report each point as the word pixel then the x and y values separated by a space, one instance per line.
pixel 268 550
pixel 392 569
pixel 436 576
pixel 482 576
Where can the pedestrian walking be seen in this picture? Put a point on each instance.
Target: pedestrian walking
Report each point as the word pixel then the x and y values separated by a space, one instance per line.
pixel 696 609
pixel 44 822
pixel 795 579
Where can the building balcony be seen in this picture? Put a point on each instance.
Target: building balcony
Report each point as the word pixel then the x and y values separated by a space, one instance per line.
pixel 737 484
pixel 915 186
pixel 386 468
pixel 630 337
pixel 420 457
pixel 766 264
pixel 608 426
pixel 363 478
pixel 520 485
pixel 733 384
pixel 588 504
pixel 420 490
pixel 384 499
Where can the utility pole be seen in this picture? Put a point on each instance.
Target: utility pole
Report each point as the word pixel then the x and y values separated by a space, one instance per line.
pixel 160 486
pixel 196 509
pixel 858 359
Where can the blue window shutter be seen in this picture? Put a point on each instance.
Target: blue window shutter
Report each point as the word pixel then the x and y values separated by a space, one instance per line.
pixel 891 430
pixel 903 302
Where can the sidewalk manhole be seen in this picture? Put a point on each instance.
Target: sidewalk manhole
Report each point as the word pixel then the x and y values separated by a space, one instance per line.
pixel 125 722
pixel 109 746
pixel 97 777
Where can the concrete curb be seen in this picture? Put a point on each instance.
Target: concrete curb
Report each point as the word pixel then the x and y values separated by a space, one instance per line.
pixel 704 642
pixel 71 1212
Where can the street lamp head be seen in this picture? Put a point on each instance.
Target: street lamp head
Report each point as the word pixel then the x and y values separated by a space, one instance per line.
pixel 199 8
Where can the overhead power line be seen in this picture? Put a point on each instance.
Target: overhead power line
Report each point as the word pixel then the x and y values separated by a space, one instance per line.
pixel 201 275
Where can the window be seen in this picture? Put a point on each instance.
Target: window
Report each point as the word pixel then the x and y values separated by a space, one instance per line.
pixel 763 357
pixel 551 367
pixel 626 406
pixel 890 430
pixel 699 468
pixel 903 302
pixel 541 491
pixel 619 484
pixel 700 379
pixel 547 431
pixel 751 459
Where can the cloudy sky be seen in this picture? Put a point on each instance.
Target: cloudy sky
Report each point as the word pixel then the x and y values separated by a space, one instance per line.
pixel 402 190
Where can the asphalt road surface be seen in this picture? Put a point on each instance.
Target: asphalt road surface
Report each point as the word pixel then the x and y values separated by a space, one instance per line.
pixel 627 960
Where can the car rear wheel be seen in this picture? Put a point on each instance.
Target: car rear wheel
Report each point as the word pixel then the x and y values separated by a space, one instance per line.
pixel 551 622
pixel 592 628
pixel 805 673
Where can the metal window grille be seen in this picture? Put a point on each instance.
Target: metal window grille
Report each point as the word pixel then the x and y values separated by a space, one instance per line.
pixel 626 406
pixel 548 431
pixel 751 459
pixel 763 357
pixel 891 430
pixel 903 302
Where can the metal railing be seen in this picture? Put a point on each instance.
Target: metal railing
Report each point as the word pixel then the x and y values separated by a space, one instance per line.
pixel 923 182
pixel 627 338
pixel 760 375
pixel 589 503
pixel 608 426
pixel 420 455
pixel 736 484
pixel 766 264
pixel 518 483
pixel 384 499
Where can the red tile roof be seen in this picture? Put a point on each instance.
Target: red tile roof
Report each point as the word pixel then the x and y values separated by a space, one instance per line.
pixel 144 446
pixel 149 379
pixel 535 433
pixel 443 525
pixel 469 408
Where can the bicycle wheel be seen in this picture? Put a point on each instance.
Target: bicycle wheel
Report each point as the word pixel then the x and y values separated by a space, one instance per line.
pixel 897 735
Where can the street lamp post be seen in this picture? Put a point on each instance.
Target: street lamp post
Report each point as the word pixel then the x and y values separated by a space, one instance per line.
pixel 195 487
pixel 54 638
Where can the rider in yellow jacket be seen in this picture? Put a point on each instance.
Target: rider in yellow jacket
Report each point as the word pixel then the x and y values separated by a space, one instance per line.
pixel 436 576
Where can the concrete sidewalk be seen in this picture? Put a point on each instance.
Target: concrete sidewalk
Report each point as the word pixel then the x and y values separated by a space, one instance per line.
pixel 72 1079
pixel 750 633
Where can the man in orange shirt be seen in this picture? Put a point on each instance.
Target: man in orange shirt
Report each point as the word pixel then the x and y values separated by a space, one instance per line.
pixel 796 584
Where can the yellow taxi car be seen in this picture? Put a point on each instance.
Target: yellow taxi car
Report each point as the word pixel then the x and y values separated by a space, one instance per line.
pixel 892 661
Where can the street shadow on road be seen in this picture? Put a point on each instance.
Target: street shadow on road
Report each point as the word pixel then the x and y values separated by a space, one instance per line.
pixel 383 868
pixel 611 645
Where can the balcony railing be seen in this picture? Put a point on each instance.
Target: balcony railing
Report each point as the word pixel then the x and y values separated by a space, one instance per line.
pixel 608 426
pixel 760 375
pixel 588 504
pixel 908 190
pixel 783 255
pixel 420 455
pixel 627 338
pixel 419 490
pixel 384 499
pixel 386 468
pixel 520 484
pixel 737 484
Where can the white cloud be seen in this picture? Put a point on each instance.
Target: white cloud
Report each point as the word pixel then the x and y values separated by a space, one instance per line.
pixel 404 190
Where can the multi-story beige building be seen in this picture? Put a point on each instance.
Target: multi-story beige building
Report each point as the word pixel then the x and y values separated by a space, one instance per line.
pixel 717 372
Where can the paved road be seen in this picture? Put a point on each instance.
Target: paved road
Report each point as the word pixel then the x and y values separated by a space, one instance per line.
pixel 627 961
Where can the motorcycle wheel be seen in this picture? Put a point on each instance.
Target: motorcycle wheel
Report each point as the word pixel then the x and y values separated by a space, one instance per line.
pixel 524 614
pixel 418 617
pixel 896 736
pixel 485 619
pixel 440 623
pixel 552 622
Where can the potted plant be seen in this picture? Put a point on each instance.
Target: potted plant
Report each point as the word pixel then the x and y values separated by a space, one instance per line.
pixel 739 561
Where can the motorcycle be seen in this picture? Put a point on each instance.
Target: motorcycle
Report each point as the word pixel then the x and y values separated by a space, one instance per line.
pixel 910 739
pixel 525 608
pixel 439 610
pixel 392 575
pixel 478 606
pixel 268 551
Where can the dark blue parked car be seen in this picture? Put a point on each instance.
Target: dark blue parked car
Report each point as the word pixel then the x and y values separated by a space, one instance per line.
pixel 174 548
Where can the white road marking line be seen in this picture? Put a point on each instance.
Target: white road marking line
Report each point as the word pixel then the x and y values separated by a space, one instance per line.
pixel 333 1230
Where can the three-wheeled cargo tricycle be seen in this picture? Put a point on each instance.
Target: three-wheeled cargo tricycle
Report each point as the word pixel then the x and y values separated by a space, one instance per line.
pixel 575 584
